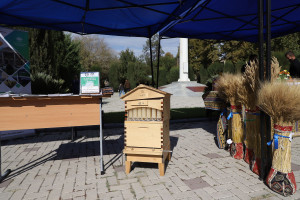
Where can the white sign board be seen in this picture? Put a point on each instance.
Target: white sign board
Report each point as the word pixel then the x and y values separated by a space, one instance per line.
pixel 89 83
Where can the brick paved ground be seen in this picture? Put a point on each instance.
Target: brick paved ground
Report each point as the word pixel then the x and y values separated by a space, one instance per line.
pixel 49 166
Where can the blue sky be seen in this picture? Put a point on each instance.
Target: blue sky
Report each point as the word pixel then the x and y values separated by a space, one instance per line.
pixel 135 44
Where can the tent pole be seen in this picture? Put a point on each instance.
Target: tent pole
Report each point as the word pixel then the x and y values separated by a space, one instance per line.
pixel 158 56
pixel 268 77
pixel 268 41
pixel 151 62
pixel 261 77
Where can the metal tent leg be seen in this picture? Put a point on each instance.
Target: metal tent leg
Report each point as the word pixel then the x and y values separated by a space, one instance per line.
pixel 7 172
pixel 101 141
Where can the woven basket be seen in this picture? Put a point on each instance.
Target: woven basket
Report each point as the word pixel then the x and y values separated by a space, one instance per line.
pixel 212 101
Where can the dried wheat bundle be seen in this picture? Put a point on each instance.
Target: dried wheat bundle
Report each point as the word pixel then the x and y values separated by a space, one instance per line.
pixel 275 69
pixel 227 86
pixel 251 75
pixel 245 94
pixel 280 100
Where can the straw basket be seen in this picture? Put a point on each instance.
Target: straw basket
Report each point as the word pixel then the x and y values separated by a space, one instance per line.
pixel 281 179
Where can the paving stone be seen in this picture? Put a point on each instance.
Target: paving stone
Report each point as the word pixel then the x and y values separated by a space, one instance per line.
pixel 39 195
pixel 152 188
pixel 196 160
pixel 54 194
pixel 128 194
pixel 119 168
pixel 213 155
pixel 240 194
pixel 295 167
pixel 78 193
pixel 196 183
pixel 126 181
pixel 223 194
pixel 119 187
pixel 5 195
pixel 137 188
pixel 112 180
pixel 35 186
pixel 5 183
pixel 184 195
pixel 210 181
pixel 31 149
pixel 18 195
pixel 91 194
pixel 263 194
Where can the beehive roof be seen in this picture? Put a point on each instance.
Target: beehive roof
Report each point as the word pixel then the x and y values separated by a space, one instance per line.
pixel 159 93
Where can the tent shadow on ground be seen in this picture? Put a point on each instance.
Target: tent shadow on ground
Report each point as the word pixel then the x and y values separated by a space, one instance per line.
pixel 64 133
pixel 210 126
pixel 72 151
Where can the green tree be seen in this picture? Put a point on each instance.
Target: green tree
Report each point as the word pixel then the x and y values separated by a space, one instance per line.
pixel 288 42
pixel 128 67
pixel 173 74
pixel 168 61
pixel 154 45
pixel 201 54
pixel 136 73
pixel 95 54
pixel 70 62
pixel 114 75
pixel 126 57
pixel 215 68
pixel 54 57
pixel 203 75
pixel 147 56
pixel 163 74
pixel 237 50
pixel 229 67
pixel 46 51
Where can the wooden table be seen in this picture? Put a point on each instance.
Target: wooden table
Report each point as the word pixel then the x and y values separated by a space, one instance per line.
pixel 51 111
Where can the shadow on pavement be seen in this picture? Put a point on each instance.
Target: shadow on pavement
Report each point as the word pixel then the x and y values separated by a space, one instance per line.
pixel 209 126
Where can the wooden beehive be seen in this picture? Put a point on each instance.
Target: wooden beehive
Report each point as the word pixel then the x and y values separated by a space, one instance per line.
pixel 146 131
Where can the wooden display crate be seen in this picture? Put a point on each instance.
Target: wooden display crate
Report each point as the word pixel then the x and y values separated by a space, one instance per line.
pixel 146 134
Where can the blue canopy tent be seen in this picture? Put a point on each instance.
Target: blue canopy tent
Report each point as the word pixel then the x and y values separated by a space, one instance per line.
pixel 235 20
pixel 114 17
pixel 203 19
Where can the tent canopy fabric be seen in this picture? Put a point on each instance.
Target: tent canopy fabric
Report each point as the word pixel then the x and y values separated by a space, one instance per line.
pixel 235 20
pixel 203 19
pixel 141 18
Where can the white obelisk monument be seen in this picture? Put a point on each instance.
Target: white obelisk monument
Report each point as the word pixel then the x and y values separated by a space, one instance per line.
pixel 183 60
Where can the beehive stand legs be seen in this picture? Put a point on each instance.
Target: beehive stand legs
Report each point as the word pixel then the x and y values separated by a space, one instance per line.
pixel 161 167
pixel 127 167
pixel 169 156
pixel 148 159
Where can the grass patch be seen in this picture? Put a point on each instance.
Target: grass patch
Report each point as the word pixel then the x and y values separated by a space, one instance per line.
pixel 177 113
